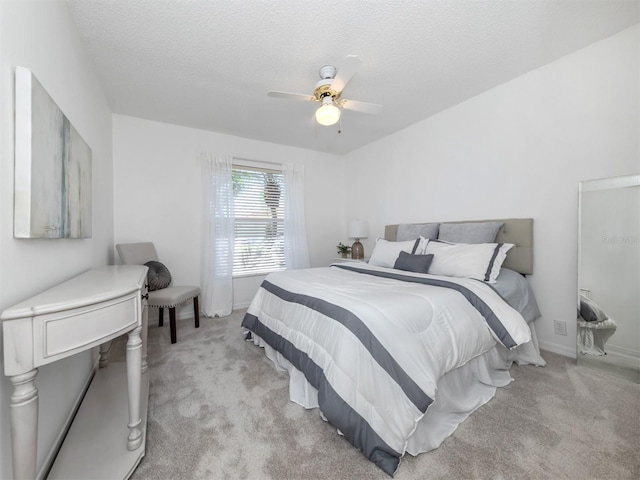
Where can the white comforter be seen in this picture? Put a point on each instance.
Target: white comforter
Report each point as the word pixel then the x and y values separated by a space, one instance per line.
pixel 375 347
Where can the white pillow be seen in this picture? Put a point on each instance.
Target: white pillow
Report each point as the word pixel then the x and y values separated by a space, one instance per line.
pixel 385 253
pixel 481 261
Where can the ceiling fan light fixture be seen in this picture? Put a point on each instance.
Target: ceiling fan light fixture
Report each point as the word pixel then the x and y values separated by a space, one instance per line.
pixel 328 114
pixel 328 91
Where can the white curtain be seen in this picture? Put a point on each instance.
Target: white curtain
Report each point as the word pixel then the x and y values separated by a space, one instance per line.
pixel 217 268
pixel 296 251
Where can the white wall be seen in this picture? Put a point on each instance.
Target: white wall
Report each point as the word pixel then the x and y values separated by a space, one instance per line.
pixel 40 36
pixel 518 150
pixel 158 194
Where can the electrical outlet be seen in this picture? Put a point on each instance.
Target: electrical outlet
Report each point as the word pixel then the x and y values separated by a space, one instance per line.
pixel 560 328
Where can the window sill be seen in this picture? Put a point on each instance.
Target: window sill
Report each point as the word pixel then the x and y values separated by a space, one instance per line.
pixel 252 274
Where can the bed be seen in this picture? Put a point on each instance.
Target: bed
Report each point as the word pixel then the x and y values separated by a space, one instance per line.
pixel 396 358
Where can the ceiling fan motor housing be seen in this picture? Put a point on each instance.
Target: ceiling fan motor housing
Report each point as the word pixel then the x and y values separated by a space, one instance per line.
pixel 323 87
pixel 328 71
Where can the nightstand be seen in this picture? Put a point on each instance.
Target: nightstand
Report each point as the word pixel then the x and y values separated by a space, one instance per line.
pixel 349 260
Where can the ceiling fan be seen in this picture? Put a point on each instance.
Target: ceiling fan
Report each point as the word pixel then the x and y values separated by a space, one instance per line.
pixel 328 91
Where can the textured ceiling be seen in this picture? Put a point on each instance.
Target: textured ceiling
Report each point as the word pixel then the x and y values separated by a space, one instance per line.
pixel 209 64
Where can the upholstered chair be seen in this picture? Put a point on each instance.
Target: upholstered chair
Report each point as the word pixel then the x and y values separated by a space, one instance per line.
pixel 164 296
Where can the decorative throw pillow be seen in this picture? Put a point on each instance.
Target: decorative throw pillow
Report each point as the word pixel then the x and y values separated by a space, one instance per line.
pixel 590 311
pixel 480 232
pixel 481 261
pixel 158 276
pixel 413 263
pixel 385 253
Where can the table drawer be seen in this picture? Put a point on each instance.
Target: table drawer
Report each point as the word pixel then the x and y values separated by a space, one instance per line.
pixel 65 333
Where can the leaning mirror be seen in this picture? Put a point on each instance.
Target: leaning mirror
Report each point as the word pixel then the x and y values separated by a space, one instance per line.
pixel 608 330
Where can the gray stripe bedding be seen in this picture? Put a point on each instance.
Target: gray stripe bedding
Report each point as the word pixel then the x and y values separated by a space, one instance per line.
pixel 374 342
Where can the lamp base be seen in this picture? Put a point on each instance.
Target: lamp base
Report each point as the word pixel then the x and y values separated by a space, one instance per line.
pixel 357 250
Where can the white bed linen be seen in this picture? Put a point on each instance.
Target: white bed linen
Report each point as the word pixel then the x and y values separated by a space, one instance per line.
pixel 425 335
pixel 460 392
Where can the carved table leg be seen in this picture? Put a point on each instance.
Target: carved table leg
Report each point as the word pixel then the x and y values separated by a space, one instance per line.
pixel 104 354
pixel 134 378
pixel 145 323
pixel 24 424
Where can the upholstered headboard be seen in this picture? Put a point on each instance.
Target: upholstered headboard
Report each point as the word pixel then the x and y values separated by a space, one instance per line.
pixel 518 231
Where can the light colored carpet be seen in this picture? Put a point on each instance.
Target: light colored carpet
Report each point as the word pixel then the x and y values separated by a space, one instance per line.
pixel 218 409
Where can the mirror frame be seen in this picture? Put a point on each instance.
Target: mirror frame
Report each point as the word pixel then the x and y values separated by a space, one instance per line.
pixel 594 185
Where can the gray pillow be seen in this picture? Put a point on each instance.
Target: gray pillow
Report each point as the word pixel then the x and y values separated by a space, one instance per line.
pixel 590 311
pixel 413 263
pixel 158 276
pixel 481 232
pixel 410 231
pixel 515 289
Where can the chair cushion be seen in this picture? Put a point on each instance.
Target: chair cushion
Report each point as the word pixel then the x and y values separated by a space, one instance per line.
pixel 158 275
pixel 172 296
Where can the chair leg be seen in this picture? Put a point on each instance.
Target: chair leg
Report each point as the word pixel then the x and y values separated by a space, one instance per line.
pixel 196 311
pixel 172 324
pixel 161 317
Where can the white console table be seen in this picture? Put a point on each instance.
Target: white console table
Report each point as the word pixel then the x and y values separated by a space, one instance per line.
pixel 87 311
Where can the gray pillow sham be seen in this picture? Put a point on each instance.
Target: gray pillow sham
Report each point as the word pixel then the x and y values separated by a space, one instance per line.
pixel 410 231
pixel 481 232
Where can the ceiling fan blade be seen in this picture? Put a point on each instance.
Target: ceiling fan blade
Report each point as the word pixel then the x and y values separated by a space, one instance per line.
pixel 291 96
pixel 347 69
pixel 362 107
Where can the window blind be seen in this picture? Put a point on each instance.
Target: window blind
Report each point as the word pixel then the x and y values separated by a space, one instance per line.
pixel 259 221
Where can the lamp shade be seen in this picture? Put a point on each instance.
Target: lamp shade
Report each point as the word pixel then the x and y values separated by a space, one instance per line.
pixel 328 114
pixel 358 229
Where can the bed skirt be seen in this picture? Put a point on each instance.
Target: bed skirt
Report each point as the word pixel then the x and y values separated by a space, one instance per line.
pixel 459 392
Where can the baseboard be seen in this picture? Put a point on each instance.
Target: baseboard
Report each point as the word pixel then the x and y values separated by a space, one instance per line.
pixel 184 313
pixel 55 448
pixel 557 348
pixel 622 351
pixel 180 314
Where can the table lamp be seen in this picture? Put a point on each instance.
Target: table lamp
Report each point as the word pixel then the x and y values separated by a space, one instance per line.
pixel 358 229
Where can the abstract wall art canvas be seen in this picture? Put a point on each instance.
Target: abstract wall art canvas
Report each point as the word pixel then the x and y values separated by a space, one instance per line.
pixel 52 167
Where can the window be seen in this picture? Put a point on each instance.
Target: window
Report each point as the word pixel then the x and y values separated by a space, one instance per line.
pixel 259 221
